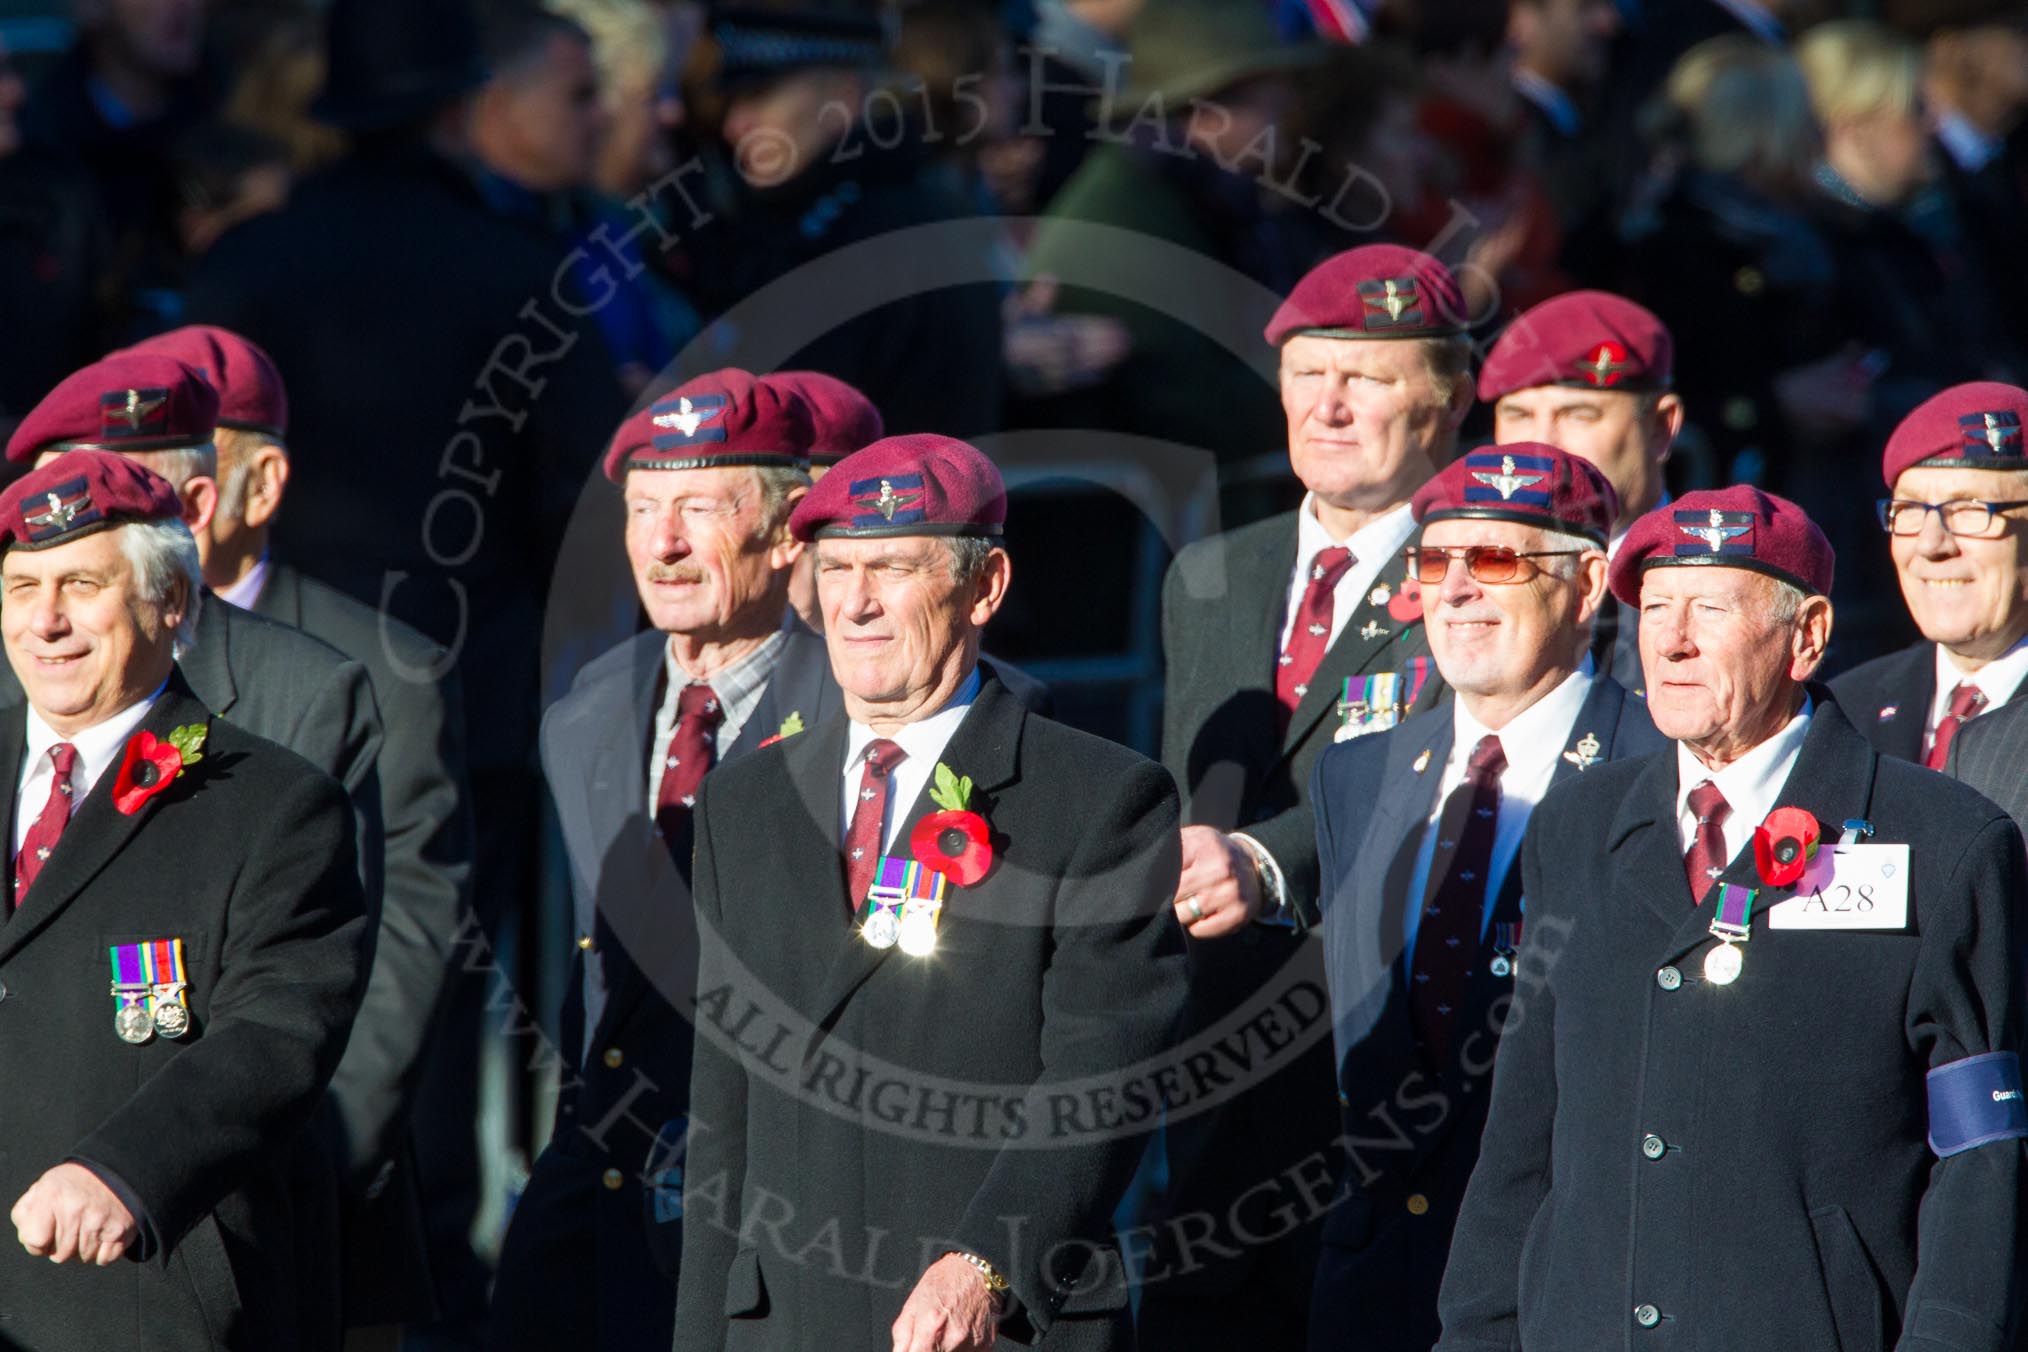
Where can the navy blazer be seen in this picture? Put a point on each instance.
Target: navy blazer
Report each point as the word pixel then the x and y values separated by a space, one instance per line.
pixel 1416 1127
pixel 1675 1163
pixel 1888 699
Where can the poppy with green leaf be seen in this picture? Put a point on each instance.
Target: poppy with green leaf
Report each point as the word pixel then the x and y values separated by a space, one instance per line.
pixel 956 842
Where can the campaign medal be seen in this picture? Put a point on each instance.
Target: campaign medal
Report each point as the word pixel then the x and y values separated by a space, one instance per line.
pixel 1376 703
pixel 1506 943
pixel 148 985
pixel 903 905
pixel 1732 928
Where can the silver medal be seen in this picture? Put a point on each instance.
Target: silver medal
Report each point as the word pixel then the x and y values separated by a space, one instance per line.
pixel 133 1024
pixel 882 929
pixel 1723 964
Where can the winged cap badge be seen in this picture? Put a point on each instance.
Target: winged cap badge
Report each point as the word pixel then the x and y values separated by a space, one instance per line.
pixel 688 417
pixel 1507 481
pixel 1717 533
pixel 60 512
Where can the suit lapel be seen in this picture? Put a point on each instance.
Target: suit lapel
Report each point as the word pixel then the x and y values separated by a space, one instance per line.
pixel 1591 737
pixel 616 789
pixel 794 687
pixel 281 596
pixel 207 665
pixel 13 744
pixel 98 830
pixel 1362 647
pixel 1257 624
pixel 985 746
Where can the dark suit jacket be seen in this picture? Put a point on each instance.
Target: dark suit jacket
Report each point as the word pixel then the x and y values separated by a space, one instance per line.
pixel 1787 1110
pixel 249 859
pixel 1616 645
pixel 1888 699
pixel 886 1109
pixel 1222 609
pixel 421 769
pixel 1990 753
pixel 584 1258
pixel 1377 1277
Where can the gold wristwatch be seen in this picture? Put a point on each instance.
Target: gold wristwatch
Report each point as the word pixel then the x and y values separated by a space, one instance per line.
pixel 996 1285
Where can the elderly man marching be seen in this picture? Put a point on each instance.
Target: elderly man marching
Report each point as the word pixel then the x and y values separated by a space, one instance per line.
pixel 1418 830
pixel 182 946
pixel 932 931
pixel 1760 1085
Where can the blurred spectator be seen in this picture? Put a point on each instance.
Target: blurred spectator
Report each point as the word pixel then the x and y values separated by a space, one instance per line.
pixel 1359 105
pixel 815 155
pixel 957 54
pixel 638 49
pixel 1975 83
pixel 1076 50
pixel 1560 49
pixel 272 90
pixel 447 409
pixel 52 264
pixel 225 174
pixel 133 83
pixel 1199 129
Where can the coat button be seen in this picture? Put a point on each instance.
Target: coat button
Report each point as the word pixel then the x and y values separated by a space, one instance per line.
pixel 612 1179
pixel 1669 978
pixel 1647 1316
pixel 613 1057
pixel 1654 1147
pixel 3 990
pixel 1418 1205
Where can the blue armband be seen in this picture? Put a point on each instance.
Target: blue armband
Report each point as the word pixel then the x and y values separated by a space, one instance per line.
pixel 1976 1101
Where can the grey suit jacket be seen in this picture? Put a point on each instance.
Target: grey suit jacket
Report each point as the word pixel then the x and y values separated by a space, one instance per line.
pixel 1990 753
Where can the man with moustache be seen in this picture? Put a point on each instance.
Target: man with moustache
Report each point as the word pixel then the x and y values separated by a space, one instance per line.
pixel 1957 472
pixel 1417 835
pixel 1590 372
pixel 1281 637
pixel 1750 1096
pixel 1013 945
pixel 709 474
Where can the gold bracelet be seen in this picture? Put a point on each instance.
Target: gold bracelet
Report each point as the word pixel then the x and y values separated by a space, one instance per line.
pixel 996 1285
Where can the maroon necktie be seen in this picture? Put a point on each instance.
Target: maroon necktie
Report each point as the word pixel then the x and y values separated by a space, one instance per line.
pixel 688 755
pixel 1706 857
pixel 1310 635
pixel 42 837
pixel 1966 701
pixel 869 815
pixel 1448 933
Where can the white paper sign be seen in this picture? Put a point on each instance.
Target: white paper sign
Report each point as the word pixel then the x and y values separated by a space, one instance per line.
pixel 1848 887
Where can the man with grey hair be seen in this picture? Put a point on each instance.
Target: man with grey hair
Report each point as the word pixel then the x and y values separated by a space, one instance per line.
pixel 1768 1003
pixel 211 873
pixel 1421 899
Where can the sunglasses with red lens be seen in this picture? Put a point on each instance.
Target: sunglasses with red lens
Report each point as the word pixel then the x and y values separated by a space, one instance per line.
pixel 1491 564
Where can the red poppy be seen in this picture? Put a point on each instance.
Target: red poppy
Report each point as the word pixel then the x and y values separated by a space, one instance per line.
pixel 1784 845
pixel 1406 604
pixel 149 767
pixel 955 844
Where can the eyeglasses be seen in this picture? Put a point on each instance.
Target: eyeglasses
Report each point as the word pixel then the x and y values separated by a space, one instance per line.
pixel 1960 516
pixel 1494 564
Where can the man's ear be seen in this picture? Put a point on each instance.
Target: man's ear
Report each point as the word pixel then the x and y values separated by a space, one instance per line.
pixel 1665 424
pixel 200 502
pixel 267 479
pixel 1812 637
pixel 990 589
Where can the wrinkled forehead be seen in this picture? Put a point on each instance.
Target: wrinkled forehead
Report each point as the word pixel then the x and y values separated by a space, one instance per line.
pixel 1388 356
pixel 1705 582
pixel 848 551
pixel 98 553
pixel 1945 483
pixel 722 483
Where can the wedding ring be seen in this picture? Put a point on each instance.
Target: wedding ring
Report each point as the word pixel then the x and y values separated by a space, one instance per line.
pixel 1196 908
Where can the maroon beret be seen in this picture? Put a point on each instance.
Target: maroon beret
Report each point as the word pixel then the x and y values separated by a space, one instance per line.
pixel 76 494
pixel 922 484
pixel 1530 482
pixel 725 418
pixel 1736 527
pixel 1587 340
pixel 249 385
pixel 842 420
pixel 1975 426
pixel 1373 291
pixel 130 401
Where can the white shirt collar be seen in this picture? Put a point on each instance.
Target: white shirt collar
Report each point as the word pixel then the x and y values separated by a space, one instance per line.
pixel 1751 784
pixel 1970 148
pixel 246 592
pixel 1533 739
pixel 99 748
pixel 1999 680
pixel 924 742
pixel 1374 546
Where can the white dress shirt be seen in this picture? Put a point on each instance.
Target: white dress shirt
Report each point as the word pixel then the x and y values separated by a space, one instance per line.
pixel 246 592
pixel 99 748
pixel 1533 742
pixel 1998 681
pixel 1750 784
pixel 1374 545
pixel 924 742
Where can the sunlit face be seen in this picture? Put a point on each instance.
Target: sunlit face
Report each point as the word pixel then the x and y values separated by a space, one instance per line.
pixel 1365 417
pixel 1717 665
pixel 1607 428
pixel 703 564
pixel 898 624
pixel 1502 639
pixel 554 119
pixel 82 640
pixel 1967 594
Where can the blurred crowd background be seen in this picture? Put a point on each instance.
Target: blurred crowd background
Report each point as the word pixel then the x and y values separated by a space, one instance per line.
pixel 472 240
